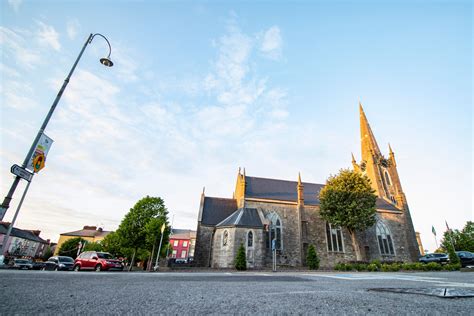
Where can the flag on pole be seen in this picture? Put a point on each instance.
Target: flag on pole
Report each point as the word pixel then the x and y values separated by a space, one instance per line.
pixel 433 230
pixel 449 230
pixel 163 228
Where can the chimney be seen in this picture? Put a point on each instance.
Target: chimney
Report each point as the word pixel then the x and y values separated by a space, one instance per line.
pixel 90 227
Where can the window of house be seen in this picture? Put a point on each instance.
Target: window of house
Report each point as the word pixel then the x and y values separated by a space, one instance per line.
pixel 183 254
pixel 173 255
pixel 334 238
pixel 175 243
pixel 185 243
pixel 225 238
pixel 250 239
pixel 384 239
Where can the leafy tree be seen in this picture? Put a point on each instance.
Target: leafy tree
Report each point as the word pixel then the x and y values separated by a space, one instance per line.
pixel 347 200
pixel 153 237
pixel 462 240
pixel 111 243
pixel 453 257
pixel 312 259
pixel 70 246
pixel 48 253
pixel 132 231
pixel 93 246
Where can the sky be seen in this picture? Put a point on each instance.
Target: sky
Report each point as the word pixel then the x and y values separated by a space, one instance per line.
pixel 201 88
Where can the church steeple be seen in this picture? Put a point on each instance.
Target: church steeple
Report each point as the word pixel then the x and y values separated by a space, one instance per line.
pixel 369 145
pixel 300 190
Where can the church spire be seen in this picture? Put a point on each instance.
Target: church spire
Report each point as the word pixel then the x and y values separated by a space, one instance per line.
pixel 368 143
pixel 391 155
pixel 300 190
pixel 354 163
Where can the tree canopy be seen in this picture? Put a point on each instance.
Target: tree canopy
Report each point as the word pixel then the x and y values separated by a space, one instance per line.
pixel 348 200
pixel 70 246
pixel 462 240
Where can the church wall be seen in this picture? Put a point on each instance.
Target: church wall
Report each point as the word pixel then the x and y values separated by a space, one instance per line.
pixel 316 235
pixel 202 250
pixel 223 255
pixel 290 254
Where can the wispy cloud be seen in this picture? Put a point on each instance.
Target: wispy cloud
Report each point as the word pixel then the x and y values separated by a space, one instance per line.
pixel 72 28
pixel 47 36
pixel 14 43
pixel 272 43
pixel 15 4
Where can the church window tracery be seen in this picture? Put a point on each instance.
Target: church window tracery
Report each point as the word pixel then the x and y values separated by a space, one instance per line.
pixel 384 239
pixel 275 231
pixel 250 239
pixel 225 238
pixel 334 238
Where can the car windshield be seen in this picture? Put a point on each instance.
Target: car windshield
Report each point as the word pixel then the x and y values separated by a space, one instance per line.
pixel 21 261
pixel 105 255
pixel 66 259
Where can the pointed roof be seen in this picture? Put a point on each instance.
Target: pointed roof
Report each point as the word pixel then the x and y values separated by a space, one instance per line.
pixel 367 138
pixel 243 217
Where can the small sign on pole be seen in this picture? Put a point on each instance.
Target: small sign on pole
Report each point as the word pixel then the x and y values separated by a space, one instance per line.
pixel 22 173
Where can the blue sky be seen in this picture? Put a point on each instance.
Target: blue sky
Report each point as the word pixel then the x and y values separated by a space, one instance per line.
pixel 200 88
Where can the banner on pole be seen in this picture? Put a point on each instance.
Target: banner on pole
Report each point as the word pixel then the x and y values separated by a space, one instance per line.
pixel 433 230
pixel 38 158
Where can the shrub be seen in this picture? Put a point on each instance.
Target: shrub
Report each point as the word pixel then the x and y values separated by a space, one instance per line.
pixel 377 263
pixel 343 267
pixel 453 257
pixel 360 266
pixel 240 259
pixel 433 266
pixel 372 267
pixel 312 258
pixel 452 267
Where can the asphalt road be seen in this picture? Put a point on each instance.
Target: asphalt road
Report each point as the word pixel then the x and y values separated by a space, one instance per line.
pixel 182 293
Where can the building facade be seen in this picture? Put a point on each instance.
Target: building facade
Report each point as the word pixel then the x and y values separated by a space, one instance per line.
pixel 22 242
pixel 88 233
pixel 183 243
pixel 263 210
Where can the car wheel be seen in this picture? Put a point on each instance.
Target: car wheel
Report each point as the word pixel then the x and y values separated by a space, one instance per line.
pixel 77 268
pixel 98 268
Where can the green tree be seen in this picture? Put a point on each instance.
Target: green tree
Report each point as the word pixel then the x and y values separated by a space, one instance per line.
pixel 312 259
pixel 462 240
pixel 48 253
pixel 93 246
pixel 240 259
pixel 153 237
pixel 453 257
pixel 70 246
pixel 132 231
pixel 347 200
pixel 111 243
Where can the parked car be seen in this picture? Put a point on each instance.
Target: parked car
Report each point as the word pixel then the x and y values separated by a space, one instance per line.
pixel 58 263
pixel 467 258
pixel 21 264
pixel 38 265
pixel 98 261
pixel 434 257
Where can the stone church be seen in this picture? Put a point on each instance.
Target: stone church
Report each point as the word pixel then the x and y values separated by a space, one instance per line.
pixel 263 210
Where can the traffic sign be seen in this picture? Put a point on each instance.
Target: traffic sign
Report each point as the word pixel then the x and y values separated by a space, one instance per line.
pixel 22 173
pixel 38 162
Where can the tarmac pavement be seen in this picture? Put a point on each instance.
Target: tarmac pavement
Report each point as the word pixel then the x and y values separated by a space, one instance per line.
pixel 184 293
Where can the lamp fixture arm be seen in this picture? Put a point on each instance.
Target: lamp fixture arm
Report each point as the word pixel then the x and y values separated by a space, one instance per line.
pixel 110 47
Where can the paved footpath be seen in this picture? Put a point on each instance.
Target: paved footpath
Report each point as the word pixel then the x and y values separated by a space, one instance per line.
pixel 173 293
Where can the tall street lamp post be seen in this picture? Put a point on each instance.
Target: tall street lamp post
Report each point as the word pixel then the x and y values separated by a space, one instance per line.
pixel 104 61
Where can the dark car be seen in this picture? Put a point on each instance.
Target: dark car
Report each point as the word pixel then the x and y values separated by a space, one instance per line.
pixel 467 258
pixel 58 263
pixel 98 261
pixel 434 257
pixel 22 264
pixel 38 265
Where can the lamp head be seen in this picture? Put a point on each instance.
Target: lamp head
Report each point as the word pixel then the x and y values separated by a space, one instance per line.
pixel 106 62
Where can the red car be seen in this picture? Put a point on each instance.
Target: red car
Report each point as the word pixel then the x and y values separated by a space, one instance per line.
pixel 98 261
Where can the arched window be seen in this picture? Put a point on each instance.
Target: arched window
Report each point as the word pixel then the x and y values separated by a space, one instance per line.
pixel 225 238
pixel 250 239
pixel 384 239
pixel 275 231
pixel 334 238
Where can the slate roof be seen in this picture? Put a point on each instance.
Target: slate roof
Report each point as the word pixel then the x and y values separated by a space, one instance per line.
pixel 243 217
pixel 88 233
pixel 20 233
pixel 182 234
pixel 216 210
pixel 281 190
